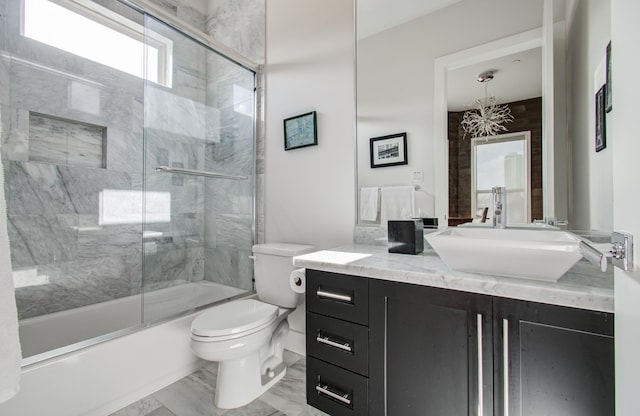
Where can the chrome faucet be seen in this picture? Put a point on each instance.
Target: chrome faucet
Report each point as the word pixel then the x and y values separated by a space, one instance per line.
pixel 499 198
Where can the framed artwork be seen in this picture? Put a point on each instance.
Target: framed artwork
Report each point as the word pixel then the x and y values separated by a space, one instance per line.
pixel 609 93
pixel 300 131
pixel 388 150
pixel 601 129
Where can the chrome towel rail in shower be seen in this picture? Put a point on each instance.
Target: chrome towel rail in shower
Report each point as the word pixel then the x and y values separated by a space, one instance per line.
pixel 205 173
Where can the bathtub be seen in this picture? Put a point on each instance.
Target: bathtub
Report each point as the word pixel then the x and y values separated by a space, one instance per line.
pixel 48 333
pixel 98 379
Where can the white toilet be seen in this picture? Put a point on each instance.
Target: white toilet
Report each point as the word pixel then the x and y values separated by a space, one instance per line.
pixel 247 336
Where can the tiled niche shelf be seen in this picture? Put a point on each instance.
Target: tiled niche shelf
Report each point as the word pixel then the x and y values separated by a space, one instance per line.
pixel 66 142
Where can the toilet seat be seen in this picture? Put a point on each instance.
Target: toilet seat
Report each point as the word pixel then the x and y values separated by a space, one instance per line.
pixel 233 319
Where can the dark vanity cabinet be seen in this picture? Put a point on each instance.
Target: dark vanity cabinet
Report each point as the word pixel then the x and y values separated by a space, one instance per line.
pixel 419 350
pixel 337 343
pixel 430 351
pixel 552 360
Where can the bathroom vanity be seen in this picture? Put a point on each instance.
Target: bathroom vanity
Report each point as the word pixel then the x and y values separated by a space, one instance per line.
pixel 404 335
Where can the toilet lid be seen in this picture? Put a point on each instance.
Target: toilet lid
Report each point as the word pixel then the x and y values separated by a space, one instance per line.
pixel 233 318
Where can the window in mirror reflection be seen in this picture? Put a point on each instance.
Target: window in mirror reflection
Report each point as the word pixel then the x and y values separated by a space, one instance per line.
pixel 502 161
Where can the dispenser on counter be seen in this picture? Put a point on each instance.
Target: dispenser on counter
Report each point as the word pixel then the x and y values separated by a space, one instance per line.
pixel 405 236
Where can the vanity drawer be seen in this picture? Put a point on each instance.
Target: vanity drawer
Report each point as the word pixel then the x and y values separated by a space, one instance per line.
pixel 344 344
pixel 336 391
pixel 338 295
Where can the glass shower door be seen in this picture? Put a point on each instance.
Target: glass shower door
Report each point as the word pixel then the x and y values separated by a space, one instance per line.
pixel 71 139
pixel 199 175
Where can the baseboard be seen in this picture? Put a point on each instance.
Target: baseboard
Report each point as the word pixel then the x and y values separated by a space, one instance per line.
pixel 296 342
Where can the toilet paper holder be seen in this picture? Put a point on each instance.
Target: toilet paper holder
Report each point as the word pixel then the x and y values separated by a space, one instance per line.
pixel 297 281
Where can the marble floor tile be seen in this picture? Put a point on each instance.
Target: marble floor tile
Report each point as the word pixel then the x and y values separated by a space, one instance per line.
pixel 193 396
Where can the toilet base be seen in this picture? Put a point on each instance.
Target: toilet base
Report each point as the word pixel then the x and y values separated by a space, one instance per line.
pixel 240 382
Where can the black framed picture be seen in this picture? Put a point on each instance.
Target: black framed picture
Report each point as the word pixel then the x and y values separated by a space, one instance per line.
pixel 388 150
pixel 609 92
pixel 300 131
pixel 601 129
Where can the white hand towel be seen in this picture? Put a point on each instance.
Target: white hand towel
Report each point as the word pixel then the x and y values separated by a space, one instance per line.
pixel 397 203
pixel 369 203
pixel 10 354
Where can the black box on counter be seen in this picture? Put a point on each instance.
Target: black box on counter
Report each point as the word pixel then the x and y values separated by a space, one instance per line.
pixel 405 236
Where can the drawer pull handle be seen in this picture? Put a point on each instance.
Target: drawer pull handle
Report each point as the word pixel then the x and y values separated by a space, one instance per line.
pixel 325 340
pixel 505 364
pixel 480 366
pixel 333 296
pixel 344 398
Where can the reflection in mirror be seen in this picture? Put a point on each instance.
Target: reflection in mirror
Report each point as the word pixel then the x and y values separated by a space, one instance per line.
pixel 477 161
pixel 407 80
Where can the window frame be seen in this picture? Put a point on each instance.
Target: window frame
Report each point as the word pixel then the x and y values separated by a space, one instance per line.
pixel 501 138
pixel 107 18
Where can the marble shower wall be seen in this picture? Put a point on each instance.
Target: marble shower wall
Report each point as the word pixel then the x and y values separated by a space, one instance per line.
pixel 64 250
pixel 229 212
pixel 61 255
pixel 239 24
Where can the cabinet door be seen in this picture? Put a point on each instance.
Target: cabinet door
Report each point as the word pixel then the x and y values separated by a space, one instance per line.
pixel 552 360
pixel 430 351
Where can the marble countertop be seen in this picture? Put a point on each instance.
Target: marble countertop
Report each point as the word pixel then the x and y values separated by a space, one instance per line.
pixel 583 286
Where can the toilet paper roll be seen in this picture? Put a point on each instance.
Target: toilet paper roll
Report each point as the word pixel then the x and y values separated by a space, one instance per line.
pixel 297 281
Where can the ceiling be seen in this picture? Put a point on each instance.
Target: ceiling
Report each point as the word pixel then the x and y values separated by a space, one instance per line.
pixel 374 16
pixel 517 77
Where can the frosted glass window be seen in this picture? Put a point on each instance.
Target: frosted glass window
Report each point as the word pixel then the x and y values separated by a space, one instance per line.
pixel 102 37
pixel 503 161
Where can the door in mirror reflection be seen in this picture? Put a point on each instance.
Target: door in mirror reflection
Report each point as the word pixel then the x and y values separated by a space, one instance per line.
pixel 503 160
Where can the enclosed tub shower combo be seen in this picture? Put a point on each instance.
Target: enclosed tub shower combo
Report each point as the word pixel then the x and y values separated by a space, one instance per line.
pixel 128 148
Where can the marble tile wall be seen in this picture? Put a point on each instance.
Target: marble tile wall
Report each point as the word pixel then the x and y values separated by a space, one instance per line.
pixel 239 24
pixel 61 254
pixel 193 12
pixel 67 142
pixel 57 224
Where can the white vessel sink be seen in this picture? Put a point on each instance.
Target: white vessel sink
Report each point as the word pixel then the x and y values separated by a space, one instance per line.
pixel 543 254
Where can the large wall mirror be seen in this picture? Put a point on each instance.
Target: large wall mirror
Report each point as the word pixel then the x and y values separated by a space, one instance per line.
pixel 417 69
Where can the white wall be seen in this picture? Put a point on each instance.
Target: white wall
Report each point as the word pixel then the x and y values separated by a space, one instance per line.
pixel 588 34
pixel 625 32
pixel 309 192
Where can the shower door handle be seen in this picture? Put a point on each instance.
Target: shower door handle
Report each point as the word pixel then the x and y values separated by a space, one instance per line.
pixel 193 172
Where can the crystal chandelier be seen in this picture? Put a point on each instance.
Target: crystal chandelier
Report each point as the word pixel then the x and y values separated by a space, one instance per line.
pixel 488 117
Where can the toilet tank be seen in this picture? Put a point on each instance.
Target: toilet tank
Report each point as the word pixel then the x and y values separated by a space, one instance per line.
pixel 272 266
